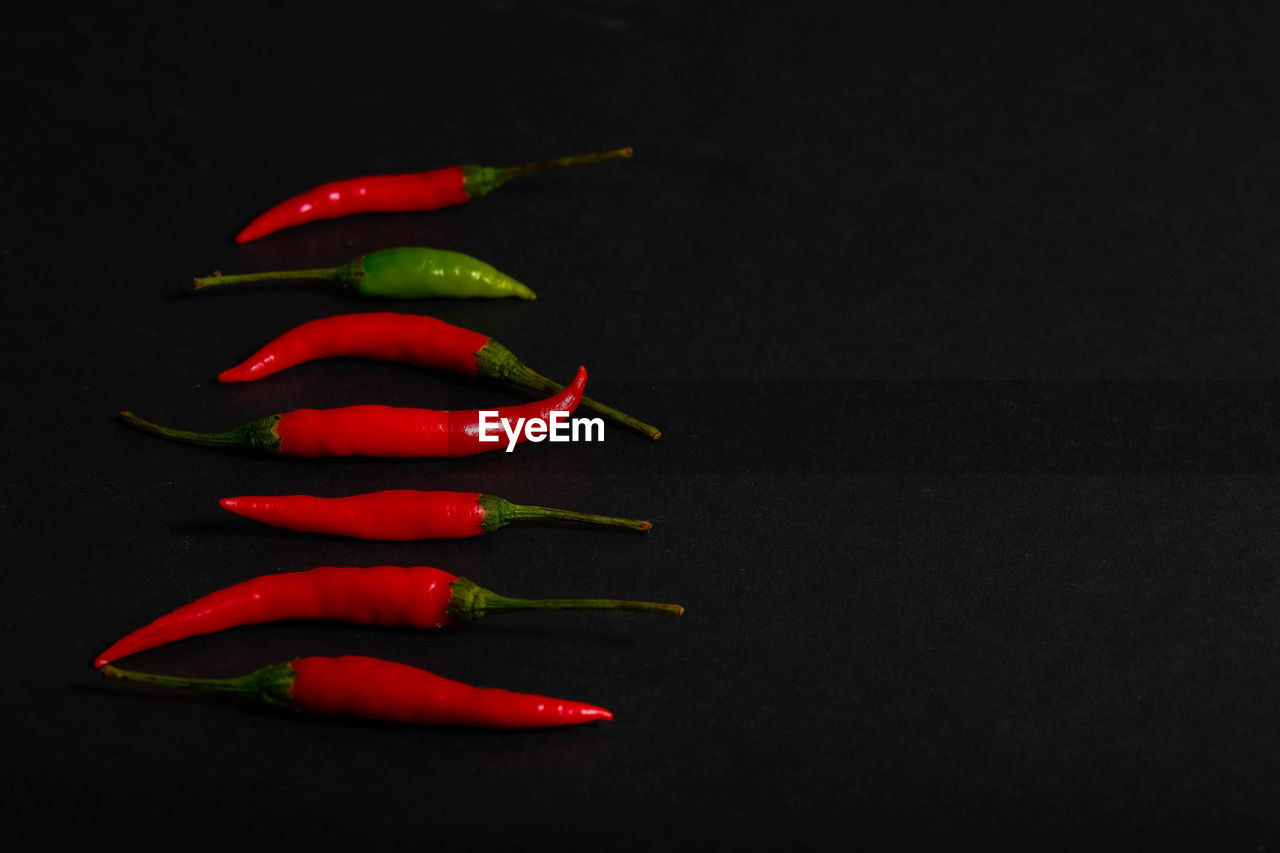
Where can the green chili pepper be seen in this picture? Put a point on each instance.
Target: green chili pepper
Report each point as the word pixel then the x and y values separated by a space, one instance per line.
pixel 409 273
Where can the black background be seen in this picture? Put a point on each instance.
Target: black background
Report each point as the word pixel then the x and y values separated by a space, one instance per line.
pixel 961 324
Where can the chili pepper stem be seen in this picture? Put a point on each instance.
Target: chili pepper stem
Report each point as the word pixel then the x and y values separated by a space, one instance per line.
pixel 494 359
pixel 259 434
pixel 499 513
pixel 482 180
pixel 560 162
pixel 271 683
pixel 341 274
pixel 472 602
pixel 534 513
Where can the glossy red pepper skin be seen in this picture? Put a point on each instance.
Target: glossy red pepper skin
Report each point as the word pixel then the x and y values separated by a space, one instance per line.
pixel 384 690
pixel 390 596
pixel 398 193
pixel 402 515
pixel 369 194
pixel 410 339
pixel 372 430
pixel 395 515
pixel 384 335
pixel 391 431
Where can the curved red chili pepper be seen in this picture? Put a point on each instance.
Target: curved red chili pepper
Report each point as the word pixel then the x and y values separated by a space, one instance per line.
pixel 382 335
pixel 372 430
pixel 398 193
pixel 401 515
pixel 383 690
pixel 411 339
pixel 389 596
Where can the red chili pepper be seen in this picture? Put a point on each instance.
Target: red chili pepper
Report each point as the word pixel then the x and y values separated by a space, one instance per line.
pixel 411 339
pixel 383 690
pixel 390 596
pixel 401 515
pixel 397 193
pixel 373 430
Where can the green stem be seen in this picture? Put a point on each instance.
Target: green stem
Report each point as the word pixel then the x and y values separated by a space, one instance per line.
pixel 510 172
pixel 499 513
pixel 256 435
pixel 271 684
pixel 497 361
pixel 338 274
pixel 479 181
pixel 471 602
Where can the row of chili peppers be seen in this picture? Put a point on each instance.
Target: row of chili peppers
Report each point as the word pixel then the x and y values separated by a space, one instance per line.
pixel 386 430
pixel 419 597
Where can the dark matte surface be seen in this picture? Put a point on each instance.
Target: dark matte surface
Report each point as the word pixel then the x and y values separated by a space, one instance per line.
pixel 960 324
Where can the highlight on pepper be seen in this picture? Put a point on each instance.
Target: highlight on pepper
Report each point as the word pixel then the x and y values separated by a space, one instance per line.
pixel 398 193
